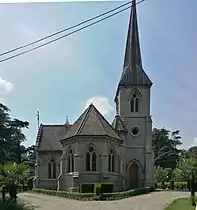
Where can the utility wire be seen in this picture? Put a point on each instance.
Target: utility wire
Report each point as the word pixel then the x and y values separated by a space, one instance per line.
pixel 64 30
pixel 61 37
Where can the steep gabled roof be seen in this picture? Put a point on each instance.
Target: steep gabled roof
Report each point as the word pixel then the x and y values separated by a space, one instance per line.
pixel 133 73
pixel 91 123
pixel 49 136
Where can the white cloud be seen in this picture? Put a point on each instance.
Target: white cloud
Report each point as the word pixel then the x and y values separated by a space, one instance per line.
pixel 195 141
pixel 192 144
pixel 101 103
pixel 5 86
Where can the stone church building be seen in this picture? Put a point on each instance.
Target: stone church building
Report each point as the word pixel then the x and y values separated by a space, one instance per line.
pixel 93 151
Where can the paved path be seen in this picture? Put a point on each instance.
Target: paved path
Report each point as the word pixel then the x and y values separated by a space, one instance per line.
pixel 152 201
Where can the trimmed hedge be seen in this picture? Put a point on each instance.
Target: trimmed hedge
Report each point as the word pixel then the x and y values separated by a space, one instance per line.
pixel 92 196
pixel 176 186
pixel 76 196
pixel 127 194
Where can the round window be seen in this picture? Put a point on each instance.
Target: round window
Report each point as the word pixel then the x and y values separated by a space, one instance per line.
pixel 135 131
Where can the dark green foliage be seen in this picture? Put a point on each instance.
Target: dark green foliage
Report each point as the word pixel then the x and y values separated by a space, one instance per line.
pixel 11 136
pixel 12 189
pixel 92 196
pixel 3 193
pixel 172 185
pixel 182 186
pixel 165 145
pixel 127 194
pixel 9 204
pixel 87 188
pixel 163 186
pixel 98 191
pixel 107 188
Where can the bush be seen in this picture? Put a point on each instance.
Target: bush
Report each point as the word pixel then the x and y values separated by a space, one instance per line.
pixel 107 188
pixel 12 205
pixel 69 195
pixel 127 194
pixel 173 185
pixel 93 196
pixel 87 188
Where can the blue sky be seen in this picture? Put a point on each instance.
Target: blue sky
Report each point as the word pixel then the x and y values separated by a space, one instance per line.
pixel 62 78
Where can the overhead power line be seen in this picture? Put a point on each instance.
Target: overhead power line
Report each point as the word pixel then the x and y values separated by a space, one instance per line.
pixel 64 30
pixel 68 34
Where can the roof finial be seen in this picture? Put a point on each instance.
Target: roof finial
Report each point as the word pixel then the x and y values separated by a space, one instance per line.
pixel 67 122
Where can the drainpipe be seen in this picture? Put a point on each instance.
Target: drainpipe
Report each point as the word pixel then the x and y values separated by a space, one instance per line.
pixel 145 164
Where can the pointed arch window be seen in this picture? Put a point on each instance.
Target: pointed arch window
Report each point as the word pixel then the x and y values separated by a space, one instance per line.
pixel 52 169
pixel 111 161
pixel 91 159
pixel 135 103
pixel 70 161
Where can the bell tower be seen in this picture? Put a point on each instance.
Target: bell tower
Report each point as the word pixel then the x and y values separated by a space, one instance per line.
pixel 133 92
pixel 133 103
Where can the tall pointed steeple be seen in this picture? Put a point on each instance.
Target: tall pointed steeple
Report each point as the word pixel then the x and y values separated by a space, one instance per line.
pixel 133 73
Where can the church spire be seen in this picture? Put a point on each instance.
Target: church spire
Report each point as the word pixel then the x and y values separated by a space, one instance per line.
pixel 133 73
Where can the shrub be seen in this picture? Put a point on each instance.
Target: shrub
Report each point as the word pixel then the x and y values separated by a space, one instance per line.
pixel 126 194
pixel 107 188
pixel 93 196
pixel 87 188
pixel 173 185
pixel 69 195
pixel 98 191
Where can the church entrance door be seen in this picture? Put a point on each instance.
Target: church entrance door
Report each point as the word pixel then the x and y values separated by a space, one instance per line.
pixel 133 176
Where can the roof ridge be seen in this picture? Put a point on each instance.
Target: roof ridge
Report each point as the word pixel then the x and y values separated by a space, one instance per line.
pixel 39 134
pixel 83 120
pixel 106 122
pixel 53 125
pixel 98 113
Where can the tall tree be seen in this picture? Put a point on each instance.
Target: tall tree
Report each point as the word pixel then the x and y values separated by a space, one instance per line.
pixel 11 136
pixel 165 145
pixel 192 153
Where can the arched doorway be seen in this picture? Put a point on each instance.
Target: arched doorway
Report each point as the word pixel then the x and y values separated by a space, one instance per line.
pixel 133 180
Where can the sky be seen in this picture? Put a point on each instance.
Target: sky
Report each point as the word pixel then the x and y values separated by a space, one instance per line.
pixel 63 78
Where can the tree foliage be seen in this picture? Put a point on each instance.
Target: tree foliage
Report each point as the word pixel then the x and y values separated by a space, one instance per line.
pixel 172 163
pixel 165 145
pixel 161 174
pixel 11 136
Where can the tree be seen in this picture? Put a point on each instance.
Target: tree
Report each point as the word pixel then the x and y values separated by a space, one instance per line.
pixel 12 175
pixel 11 136
pixel 165 145
pixel 192 153
pixel 161 174
pixel 31 153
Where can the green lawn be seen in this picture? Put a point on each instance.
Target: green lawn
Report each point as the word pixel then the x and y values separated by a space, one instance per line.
pixel 181 204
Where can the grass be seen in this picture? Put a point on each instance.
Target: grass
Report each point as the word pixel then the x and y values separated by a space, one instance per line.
pixel 181 204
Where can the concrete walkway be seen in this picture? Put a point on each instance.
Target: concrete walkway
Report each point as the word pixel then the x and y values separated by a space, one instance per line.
pixel 152 201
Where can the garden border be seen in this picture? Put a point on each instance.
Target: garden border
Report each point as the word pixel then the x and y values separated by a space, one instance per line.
pixel 93 196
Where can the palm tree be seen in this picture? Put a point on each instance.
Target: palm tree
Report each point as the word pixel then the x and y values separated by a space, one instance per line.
pixel 12 175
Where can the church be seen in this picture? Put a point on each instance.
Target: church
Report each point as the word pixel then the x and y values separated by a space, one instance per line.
pixel 91 152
